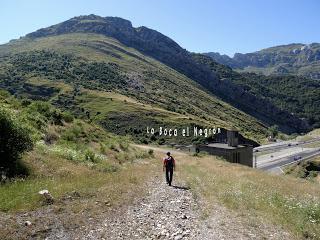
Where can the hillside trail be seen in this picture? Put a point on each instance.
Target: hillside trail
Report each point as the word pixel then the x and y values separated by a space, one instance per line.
pixel 174 212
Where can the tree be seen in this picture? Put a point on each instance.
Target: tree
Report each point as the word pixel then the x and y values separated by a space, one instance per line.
pixel 273 131
pixel 14 141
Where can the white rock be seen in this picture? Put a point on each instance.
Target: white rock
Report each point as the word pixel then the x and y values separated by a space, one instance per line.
pixel 42 192
pixel 27 223
pixel 184 216
pixel 47 196
pixel 178 237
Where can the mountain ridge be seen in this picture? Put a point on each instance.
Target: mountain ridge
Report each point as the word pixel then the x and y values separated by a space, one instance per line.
pixel 295 58
pixel 165 50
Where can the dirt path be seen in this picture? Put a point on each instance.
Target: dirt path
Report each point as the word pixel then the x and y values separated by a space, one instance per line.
pixel 174 213
pixel 161 149
pixel 166 213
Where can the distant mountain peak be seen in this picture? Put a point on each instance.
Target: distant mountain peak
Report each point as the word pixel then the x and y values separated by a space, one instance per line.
pixel 87 24
pixel 294 58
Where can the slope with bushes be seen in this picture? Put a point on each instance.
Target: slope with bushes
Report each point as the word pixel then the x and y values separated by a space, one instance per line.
pixel 158 46
pixel 35 125
pixel 298 96
pixel 80 62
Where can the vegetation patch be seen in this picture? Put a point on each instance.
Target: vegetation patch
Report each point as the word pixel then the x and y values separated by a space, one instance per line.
pixel 305 169
pixel 290 202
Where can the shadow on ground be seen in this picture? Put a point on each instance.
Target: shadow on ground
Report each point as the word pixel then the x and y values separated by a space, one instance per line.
pixel 181 187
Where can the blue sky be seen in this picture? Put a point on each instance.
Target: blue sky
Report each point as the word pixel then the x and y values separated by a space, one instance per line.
pixel 227 26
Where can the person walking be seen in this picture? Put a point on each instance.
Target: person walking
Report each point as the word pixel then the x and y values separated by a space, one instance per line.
pixel 169 166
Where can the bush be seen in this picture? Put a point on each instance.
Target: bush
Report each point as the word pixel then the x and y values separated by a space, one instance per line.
pixel 14 140
pixel 313 174
pixel 67 117
pixel 51 136
pixel 50 113
pixel 74 133
pixel 91 157
pixel 151 152
pixel 124 145
pixel 43 108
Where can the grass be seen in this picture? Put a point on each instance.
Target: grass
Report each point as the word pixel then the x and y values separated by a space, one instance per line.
pixel 309 136
pixel 280 200
pixel 61 176
pixel 290 202
pixel 83 193
pixel 68 155
pixel 149 82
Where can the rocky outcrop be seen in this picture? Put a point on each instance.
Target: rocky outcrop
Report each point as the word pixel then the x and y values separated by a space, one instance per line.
pixel 298 59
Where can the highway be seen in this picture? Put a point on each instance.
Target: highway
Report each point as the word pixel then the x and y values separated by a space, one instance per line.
pixel 285 145
pixel 274 156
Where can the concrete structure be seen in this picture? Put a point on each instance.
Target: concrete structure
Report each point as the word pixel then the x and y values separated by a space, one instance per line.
pixel 231 151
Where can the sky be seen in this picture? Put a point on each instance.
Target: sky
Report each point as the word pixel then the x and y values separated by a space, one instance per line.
pixel 225 26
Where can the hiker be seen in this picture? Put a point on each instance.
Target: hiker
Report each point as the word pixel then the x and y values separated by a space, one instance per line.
pixel 169 165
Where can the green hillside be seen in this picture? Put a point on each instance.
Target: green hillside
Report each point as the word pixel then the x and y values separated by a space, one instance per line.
pixel 295 94
pixel 165 50
pixel 126 87
pixel 92 173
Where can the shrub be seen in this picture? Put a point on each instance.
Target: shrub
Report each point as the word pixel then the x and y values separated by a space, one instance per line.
pixel 43 108
pixel 124 145
pixel 140 154
pixel 14 140
pixel 67 117
pixel 151 152
pixel 51 136
pixel 122 157
pixel 161 141
pixel 50 113
pixel 313 174
pixel 74 133
pixel 35 120
pixel 91 156
pixel 102 148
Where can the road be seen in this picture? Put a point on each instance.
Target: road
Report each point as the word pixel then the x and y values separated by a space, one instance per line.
pixel 274 156
pixel 285 145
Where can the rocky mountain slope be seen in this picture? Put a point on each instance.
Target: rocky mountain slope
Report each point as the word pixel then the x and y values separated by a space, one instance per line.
pixel 99 79
pixel 295 94
pixel 299 59
pixel 66 37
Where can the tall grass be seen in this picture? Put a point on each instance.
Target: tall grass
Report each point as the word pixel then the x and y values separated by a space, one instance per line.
pixel 292 203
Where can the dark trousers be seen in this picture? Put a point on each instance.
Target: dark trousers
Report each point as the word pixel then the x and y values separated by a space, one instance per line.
pixel 169 174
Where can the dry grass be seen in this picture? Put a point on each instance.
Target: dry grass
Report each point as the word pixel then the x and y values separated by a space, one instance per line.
pixel 311 135
pixel 81 190
pixel 280 200
pixel 290 202
pixel 61 176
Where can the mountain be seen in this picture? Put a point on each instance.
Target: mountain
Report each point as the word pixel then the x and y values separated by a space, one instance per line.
pixel 110 72
pixel 295 94
pixel 298 59
pixel 98 78
pixel 156 45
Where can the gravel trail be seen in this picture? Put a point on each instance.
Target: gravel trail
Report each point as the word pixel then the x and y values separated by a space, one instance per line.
pixel 173 213
pixel 166 213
